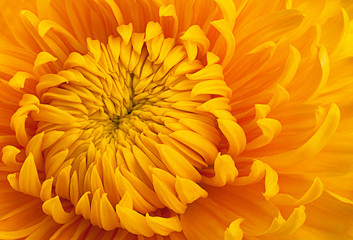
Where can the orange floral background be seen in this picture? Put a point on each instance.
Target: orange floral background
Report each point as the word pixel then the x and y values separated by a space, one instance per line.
pixel 162 119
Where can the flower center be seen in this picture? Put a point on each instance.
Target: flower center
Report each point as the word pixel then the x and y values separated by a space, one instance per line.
pixel 130 130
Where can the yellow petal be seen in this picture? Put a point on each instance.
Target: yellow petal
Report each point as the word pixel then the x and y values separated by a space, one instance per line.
pixel 166 194
pixel 235 136
pixel 54 208
pixel 125 32
pixel 234 232
pixel 228 10
pixel 270 129
pixel 313 193
pixel 197 143
pixel 337 24
pixel 133 221
pixel 109 217
pixel 314 145
pixel 153 29
pixel 188 191
pixel 165 13
pixel 271 182
pixel 9 154
pixel 282 227
pixel 196 35
pixel 28 178
pixel 42 59
pixel 83 206
pixel 177 163
pixel 225 171
pixel 164 226
pixel 19 79
pixel 327 218
pixel 225 28
pixel 46 189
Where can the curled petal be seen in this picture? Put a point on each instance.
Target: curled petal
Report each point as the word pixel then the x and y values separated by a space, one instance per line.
pixel 313 193
pixel 280 226
pixel 225 171
pixel 164 226
pixel 234 231
pixel 54 208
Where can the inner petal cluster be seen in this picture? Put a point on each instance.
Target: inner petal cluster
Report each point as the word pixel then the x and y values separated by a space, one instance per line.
pixel 128 133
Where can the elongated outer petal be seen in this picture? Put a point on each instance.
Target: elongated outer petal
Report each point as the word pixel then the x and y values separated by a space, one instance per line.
pixel 314 145
pixel 225 28
pixel 228 10
pixel 314 192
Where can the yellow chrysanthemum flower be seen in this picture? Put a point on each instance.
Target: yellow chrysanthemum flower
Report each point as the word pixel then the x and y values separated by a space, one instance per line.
pixel 176 119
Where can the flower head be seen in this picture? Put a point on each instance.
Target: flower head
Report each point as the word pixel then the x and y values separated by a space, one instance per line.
pixel 176 119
